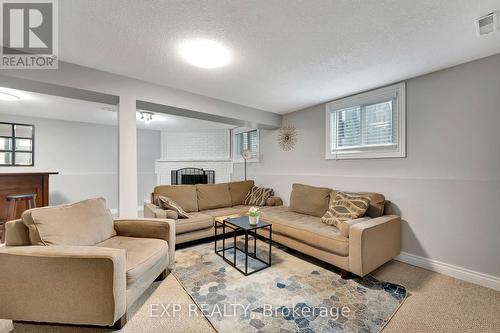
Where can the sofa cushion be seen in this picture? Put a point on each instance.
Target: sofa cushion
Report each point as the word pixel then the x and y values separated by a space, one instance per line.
pixel 212 196
pixel 345 207
pixel 239 191
pixel 184 195
pixel 224 211
pixel 141 254
pixel 196 221
pixel 83 223
pixel 258 196
pixel 306 229
pixel 309 200
pixel 245 208
pixel 168 204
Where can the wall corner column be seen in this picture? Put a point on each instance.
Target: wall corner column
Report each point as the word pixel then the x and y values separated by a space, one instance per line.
pixel 127 157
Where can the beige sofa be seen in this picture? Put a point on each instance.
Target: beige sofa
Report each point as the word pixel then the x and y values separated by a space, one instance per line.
pixel 359 246
pixel 74 264
pixel 203 203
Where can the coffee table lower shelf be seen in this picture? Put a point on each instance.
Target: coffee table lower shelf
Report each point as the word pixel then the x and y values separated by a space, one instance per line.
pixel 241 224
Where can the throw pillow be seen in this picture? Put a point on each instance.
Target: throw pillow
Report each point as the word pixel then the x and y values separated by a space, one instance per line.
pixel 345 207
pixel 167 203
pixel 257 196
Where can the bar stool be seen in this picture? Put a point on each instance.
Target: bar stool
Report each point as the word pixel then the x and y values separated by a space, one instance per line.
pixel 10 212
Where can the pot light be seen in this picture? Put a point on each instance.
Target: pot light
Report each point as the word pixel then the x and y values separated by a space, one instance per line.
pixel 8 97
pixel 205 53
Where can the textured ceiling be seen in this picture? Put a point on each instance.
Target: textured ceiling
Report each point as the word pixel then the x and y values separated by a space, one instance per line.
pixel 287 54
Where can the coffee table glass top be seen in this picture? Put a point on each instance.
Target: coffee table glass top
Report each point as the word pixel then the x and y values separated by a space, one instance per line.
pixel 242 222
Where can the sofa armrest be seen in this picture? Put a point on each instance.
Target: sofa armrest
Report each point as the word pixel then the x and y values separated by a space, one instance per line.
pixel 345 226
pixel 373 242
pixel 63 284
pixel 149 228
pixel 153 211
pixel 274 201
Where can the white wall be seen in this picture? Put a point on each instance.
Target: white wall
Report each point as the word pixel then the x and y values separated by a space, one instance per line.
pixel 195 145
pixel 86 157
pixel 447 190
pixel 207 149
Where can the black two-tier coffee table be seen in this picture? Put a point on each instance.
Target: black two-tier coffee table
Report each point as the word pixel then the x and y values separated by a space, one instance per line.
pixel 237 225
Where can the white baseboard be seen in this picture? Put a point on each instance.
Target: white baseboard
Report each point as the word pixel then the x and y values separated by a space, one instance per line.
pixel 460 273
pixel 114 211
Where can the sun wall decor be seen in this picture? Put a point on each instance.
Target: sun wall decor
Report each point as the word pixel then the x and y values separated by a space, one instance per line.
pixel 287 137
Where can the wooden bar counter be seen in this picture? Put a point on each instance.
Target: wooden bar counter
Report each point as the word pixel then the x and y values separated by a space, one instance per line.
pixel 25 182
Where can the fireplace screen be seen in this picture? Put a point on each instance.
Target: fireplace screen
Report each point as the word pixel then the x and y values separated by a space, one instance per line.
pixel 192 176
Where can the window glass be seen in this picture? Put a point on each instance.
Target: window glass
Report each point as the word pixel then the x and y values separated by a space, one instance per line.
pixel 5 129
pixel 23 158
pixel 22 131
pixel 5 143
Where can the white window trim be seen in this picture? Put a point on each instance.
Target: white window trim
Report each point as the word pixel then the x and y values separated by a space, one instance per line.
pixel 398 90
pixel 239 159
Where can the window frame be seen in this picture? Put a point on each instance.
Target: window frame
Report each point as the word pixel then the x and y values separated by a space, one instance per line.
pixel 237 157
pixel 397 91
pixel 13 151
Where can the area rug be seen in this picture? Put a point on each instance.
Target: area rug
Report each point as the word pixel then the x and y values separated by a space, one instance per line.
pixel 293 295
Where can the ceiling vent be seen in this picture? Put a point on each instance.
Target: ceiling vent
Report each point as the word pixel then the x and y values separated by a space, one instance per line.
pixel 487 24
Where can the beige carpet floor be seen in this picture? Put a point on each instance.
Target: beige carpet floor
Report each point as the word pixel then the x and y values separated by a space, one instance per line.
pixel 436 303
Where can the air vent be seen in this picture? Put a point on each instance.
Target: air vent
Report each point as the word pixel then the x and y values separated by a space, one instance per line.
pixel 487 24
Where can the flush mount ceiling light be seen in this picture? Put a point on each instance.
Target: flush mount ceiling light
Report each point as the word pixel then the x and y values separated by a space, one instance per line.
pixel 8 97
pixel 205 53
pixel 146 116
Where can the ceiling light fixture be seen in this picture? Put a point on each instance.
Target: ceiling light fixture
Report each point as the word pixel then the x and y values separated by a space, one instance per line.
pixel 147 116
pixel 205 53
pixel 8 97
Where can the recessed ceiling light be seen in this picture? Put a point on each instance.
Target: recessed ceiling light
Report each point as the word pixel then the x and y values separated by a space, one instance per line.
pixel 8 97
pixel 205 53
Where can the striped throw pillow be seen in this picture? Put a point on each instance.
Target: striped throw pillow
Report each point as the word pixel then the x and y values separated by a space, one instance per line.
pixel 257 196
pixel 345 207
pixel 167 203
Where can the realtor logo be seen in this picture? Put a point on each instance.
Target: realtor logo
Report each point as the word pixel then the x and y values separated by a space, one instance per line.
pixel 29 34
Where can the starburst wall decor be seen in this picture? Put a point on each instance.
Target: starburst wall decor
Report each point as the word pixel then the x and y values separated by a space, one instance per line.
pixel 287 137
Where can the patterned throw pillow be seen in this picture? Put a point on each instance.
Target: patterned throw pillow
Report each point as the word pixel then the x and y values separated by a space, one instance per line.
pixel 345 207
pixel 257 196
pixel 167 203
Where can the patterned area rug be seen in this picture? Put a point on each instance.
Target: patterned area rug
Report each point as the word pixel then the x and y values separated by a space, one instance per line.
pixel 292 295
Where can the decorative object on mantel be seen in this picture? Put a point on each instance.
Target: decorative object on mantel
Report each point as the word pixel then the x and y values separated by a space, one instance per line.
pixel 287 137
pixel 246 154
pixel 253 215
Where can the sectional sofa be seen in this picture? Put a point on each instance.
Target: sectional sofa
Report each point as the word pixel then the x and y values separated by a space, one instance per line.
pixel 359 246
pixel 203 203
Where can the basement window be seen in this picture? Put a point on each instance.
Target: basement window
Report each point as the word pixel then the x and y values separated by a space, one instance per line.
pixel 245 139
pixel 367 125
